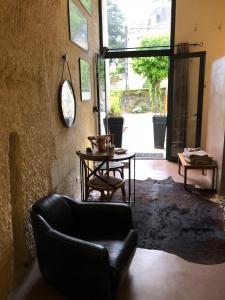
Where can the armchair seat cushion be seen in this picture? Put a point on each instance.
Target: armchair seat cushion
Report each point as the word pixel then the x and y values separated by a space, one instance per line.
pixel 107 183
pixel 119 250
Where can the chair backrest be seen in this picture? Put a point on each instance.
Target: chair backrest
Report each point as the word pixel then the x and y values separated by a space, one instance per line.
pixel 93 156
pixel 90 169
pixel 56 211
pixel 93 139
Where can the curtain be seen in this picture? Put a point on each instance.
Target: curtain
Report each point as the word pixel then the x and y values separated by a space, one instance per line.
pixel 180 100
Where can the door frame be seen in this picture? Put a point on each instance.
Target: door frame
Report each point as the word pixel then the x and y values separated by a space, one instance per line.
pixel 202 58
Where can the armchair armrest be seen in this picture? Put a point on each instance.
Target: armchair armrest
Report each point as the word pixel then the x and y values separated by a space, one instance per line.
pixel 128 249
pixel 108 218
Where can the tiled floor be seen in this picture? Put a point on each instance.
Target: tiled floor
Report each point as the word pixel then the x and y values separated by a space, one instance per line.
pixel 162 169
pixel 157 275
pixel 154 275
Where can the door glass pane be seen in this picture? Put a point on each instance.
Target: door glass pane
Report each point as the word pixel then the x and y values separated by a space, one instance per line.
pixel 185 104
pixel 101 93
pixel 126 24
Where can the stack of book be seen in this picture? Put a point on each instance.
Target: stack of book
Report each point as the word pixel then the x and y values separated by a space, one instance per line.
pixel 195 156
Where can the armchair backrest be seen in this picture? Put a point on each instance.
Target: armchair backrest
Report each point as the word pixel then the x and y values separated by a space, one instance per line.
pixel 56 211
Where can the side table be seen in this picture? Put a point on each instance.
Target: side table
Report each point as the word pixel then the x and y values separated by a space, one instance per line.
pixel 187 166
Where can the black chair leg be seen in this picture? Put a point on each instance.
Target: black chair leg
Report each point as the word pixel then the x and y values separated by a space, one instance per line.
pixel 123 193
pixel 122 173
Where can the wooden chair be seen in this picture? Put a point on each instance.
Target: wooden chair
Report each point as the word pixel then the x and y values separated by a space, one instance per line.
pixel 93 180
pixel 113 166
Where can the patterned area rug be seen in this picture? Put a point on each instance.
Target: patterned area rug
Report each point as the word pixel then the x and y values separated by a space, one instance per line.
pixel 185 223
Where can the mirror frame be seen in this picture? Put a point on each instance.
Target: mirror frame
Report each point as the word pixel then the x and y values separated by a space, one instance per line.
pixel 64 119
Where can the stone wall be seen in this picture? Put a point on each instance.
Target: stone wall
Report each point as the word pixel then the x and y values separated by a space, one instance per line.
pixel 37 152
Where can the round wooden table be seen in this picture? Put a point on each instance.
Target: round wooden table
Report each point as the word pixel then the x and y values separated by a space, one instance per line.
pixel 103 157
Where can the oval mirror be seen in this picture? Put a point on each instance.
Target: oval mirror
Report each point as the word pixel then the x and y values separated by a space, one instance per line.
pixel 67 103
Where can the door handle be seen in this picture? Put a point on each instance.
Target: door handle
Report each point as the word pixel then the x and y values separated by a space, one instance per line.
pixel 95 109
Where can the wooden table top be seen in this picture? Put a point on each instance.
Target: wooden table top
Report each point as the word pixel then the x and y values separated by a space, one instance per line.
pixel 101 156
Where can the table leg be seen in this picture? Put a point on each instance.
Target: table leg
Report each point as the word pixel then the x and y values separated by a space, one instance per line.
pixel 213 178
pixel 134 177
pixel 185 177
pixel 81 181
pixel 179 164
pixel 129 182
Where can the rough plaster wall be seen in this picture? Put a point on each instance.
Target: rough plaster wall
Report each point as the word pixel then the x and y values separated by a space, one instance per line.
pixel 216 128
pixel 25 111
pixel 202 21
pixel 33 37
pixel 6 254
pixel 65 166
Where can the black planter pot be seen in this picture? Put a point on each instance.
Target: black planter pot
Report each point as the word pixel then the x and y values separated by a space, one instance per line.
pixel 159 128
pixel 115 126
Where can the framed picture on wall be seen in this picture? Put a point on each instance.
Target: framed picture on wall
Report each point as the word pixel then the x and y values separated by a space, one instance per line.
pixel 78 26
pixel 88 5
pixel 85 80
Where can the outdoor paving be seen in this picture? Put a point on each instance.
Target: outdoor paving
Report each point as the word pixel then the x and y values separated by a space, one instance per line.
pixel 138 133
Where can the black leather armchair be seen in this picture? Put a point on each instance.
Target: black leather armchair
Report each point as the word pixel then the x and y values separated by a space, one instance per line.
pixel 83 249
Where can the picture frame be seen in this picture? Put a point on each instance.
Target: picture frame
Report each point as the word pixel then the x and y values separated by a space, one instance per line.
pixel 85 80
pixel 78 26
pixel 88 5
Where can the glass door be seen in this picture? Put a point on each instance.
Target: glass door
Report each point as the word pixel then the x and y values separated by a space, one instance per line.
pixel 185 102
pixel 140 102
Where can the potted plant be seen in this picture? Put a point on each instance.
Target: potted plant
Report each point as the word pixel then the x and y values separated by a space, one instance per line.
pixel 160 120
pixel 115 120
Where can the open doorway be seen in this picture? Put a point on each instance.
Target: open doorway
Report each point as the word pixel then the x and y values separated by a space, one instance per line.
pixel 142 102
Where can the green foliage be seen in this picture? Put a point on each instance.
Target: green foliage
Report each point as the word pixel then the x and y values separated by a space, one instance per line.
pixel 144 106
pixel 116 33
pixel 115 26
pixel 115 104
pixel 118 65
pixel 87 4
pixel 101 71
pixel 114 78
pixel 75 19
pixel 85 76
pixel 153 69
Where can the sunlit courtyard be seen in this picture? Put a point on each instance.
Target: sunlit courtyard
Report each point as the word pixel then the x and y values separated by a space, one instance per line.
pixel 138 133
